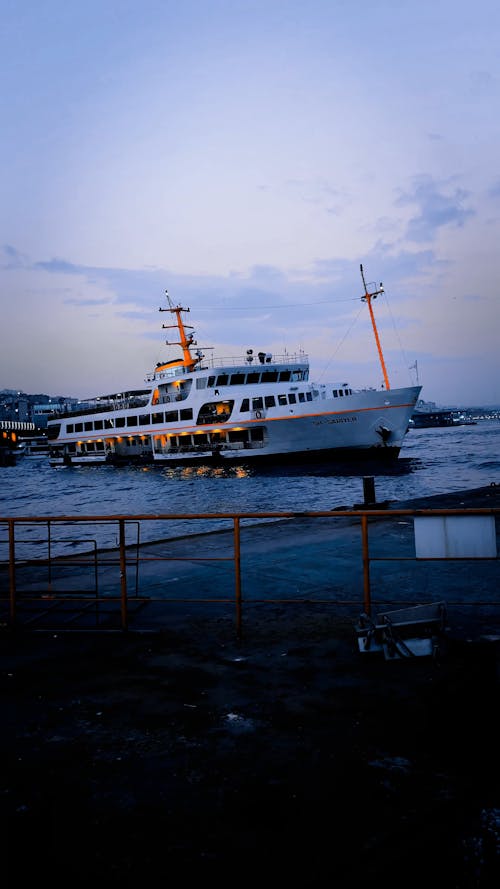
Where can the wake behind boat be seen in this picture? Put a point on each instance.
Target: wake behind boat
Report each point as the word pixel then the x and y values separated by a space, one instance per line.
pixel 260 408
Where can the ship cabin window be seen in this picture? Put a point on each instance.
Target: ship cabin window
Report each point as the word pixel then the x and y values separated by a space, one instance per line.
pixel 109 423
pixel 245 405
pixel 131 421
pixel 253 378
pixel 237 435
pixel 157 418
pixel 222 380
pixel 285 376
pixel 171 416
pixel 315 393
pixel 236 379
pixel 211 382
pixel 144 419
pixel 120 422
pixel 335 393
pixel 201 383
pixel 341 393
pixel 297 376
pixel 53 431
pixel 309 396
pixel 270 376
pixel 70 427
pixel 201 438
pixel 87 426
pixel 257 434
pixel 257 404
pixel 99 424
pixel 292 399
pixel 187 414
pixel 270 401
pixel 72 449
pixel 215 412
pixel 281 399
pixel 78 427
pixel 302 397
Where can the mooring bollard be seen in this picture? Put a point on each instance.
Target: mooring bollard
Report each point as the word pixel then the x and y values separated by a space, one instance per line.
pixel 369 490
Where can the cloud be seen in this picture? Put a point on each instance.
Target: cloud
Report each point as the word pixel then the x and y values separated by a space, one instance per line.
pixel 438 206
pixel 11 258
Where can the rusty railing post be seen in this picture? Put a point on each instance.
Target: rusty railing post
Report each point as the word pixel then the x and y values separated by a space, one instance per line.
pixel 237 573
pixel 366 566
pixel 12 573
pixel 123 575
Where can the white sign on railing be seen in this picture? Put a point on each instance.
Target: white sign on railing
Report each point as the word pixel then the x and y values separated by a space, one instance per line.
pixel 455 537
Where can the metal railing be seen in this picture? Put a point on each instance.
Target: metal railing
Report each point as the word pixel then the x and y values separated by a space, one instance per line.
pixel 66 578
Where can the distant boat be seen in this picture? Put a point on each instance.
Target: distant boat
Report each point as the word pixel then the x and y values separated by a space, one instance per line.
pixel 35 446
pixel 9 446
pixel 463 420
pixel 258 408
pixel 426 415
pixel 428 419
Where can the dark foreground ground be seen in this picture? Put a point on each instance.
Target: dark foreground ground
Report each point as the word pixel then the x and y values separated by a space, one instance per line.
pixel 286 757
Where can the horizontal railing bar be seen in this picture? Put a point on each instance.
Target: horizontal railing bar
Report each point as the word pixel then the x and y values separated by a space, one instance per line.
pixel 337 513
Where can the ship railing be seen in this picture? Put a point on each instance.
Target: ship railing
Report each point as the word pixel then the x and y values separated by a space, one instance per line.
pixel 244 361
pixel 238 445
pixel 131 571
pixel 102 407
pixel 210 447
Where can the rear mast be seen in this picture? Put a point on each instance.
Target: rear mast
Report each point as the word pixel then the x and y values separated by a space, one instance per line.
pixel 369 295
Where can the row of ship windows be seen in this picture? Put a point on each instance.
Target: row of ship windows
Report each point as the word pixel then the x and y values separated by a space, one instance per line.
pixel 128 422
pixel 200 439
pixel 158 417
pixel 92 447
pixel 242 379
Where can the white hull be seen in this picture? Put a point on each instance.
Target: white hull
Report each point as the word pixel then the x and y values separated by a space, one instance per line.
pixel 375 422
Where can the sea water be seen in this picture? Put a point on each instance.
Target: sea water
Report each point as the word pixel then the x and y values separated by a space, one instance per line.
pixel 432 461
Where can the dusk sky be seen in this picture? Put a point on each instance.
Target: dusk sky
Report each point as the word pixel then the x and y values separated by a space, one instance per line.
pixel 248 157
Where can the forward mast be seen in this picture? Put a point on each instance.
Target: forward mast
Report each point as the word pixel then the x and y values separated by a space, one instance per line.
pixel 186 339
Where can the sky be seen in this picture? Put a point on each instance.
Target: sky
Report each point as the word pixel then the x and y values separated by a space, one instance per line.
pixel 248 156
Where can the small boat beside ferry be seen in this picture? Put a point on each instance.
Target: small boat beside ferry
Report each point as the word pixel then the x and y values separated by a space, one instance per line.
pixel 427 416
pixel 431 419
pixel 256 409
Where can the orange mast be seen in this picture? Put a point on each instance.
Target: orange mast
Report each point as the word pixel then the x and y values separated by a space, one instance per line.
pixel 369 295
pixel 186 340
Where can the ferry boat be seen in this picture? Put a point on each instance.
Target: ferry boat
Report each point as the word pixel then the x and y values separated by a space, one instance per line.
pixel 256 409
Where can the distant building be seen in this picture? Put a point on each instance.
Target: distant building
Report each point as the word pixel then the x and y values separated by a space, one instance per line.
pixel 19 407
pixel 15 407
